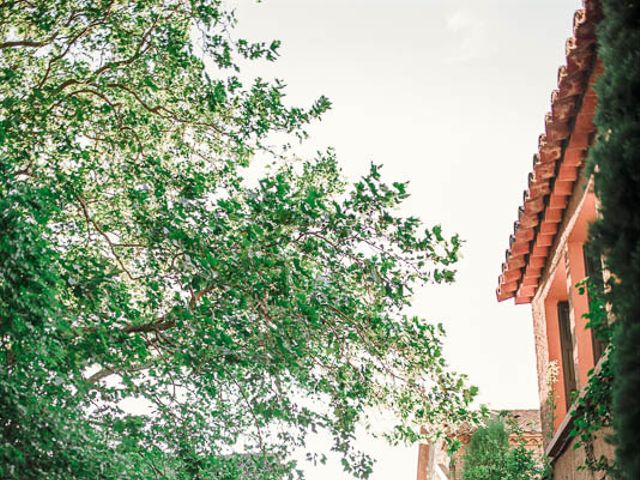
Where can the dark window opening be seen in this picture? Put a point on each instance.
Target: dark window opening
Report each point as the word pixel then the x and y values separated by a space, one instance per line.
pixel 566 346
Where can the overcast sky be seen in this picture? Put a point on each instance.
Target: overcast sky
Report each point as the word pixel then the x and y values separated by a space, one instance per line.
pixel 451 95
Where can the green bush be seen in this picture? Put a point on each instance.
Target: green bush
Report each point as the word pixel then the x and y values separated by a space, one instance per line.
pixel 489 456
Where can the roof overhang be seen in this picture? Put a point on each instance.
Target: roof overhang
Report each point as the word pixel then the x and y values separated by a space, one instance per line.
pixel 562 148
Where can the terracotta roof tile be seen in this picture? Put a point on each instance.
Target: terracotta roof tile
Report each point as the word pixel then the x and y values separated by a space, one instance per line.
pixel 561 150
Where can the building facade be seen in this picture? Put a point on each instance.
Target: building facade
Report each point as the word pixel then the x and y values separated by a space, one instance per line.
pixel 547 258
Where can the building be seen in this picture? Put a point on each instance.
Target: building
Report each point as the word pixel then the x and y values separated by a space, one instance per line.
pixel 546 257
pixel 435 463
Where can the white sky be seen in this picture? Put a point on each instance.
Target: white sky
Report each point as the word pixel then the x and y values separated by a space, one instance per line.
pixel 451 95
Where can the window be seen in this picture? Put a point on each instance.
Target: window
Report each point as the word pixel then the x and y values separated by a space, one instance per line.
pixel 566 347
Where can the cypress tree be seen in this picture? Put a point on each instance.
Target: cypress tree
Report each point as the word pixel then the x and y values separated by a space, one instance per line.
pixel 615 158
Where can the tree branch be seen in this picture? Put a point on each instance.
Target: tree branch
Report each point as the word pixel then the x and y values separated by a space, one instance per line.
pixel 90 221
pixel 28 43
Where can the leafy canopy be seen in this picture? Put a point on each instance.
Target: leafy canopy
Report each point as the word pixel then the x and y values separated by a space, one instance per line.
pixel 159 316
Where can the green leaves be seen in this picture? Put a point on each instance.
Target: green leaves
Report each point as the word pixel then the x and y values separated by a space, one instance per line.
pixel 497 451
pixel 614 160
pixel 159 318
pixel 593 412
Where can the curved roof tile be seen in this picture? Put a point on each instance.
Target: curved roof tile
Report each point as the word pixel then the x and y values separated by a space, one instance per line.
pixel 561 150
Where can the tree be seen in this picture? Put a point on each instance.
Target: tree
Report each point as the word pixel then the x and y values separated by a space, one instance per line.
pixel 159 316
pixel 489 456
pixel 616 153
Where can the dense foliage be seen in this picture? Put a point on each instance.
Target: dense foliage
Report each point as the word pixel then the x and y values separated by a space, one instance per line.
pixel 489 455
pixel 617 180
pixel 159 316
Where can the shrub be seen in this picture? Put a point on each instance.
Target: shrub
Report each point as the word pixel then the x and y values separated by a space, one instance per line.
pixel 489 455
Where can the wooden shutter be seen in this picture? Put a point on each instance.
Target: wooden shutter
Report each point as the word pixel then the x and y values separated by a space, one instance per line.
pixel 566 346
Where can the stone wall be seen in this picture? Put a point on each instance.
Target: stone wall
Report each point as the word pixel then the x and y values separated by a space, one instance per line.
pixel 568 464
